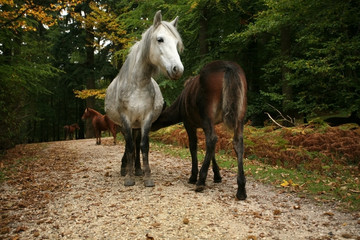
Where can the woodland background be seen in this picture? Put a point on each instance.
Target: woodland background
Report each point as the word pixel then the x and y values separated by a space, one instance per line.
pixel 301 56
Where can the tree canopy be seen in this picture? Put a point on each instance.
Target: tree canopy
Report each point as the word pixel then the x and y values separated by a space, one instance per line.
pixel 57 57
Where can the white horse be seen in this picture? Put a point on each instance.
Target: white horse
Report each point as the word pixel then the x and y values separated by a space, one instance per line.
pixel 133 99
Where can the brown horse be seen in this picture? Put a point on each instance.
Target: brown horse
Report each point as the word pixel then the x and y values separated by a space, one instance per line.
pixel 70 129
pixel 100 123
pixel 217 95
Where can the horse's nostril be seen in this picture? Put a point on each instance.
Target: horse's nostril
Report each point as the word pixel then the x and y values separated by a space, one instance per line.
pixel 174 69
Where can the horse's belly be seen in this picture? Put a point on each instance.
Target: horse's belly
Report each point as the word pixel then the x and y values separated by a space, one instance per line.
pixel 141 107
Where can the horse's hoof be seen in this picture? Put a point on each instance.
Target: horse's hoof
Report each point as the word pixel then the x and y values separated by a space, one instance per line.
pixel 192 180
pixel 241 196
pixel 217 180
pixel 129 182
pixel 149 183
pixel 139 172
pixel 199 188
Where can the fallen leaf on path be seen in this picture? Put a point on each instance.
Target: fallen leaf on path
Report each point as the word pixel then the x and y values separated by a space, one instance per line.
pixel 346 235
pixel 277 212
pixel 156 225
pixel 251 237
pixel 297 207
pixel 148 237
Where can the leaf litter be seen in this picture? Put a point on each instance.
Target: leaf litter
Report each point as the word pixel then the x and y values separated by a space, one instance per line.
pixel 73 190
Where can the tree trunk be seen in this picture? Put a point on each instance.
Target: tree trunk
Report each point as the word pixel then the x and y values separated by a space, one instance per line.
pixel 81 123
pixel 90 81
pixel 204 47
pixel 285 42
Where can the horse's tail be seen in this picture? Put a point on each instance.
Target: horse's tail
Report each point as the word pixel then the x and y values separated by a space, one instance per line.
pixel 234 95
pixel 66 131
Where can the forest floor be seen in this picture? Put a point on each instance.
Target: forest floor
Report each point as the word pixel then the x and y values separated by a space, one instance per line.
pixel 73 190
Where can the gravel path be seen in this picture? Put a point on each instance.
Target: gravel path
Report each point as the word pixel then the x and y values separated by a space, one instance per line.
pixel 88 201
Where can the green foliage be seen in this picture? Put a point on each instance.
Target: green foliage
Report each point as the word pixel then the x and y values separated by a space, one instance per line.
pixel 23 76
pixel 303 57
pixel 324 53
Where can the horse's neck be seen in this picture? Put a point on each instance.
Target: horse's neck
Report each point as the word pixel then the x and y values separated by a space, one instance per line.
pixel 137 68
pixel 169 116
pixel 94 113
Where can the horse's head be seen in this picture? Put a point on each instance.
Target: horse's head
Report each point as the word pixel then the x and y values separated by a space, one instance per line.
pixel 165 45
pixel 86 114
pixel 76 126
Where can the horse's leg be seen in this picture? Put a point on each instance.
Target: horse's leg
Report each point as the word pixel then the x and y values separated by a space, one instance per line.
pixel 193 151
pixel 129 154
pixel 138 170
pixel 216 170
pixel 129 177
pixel 137 138
pixel 238 143
pixel 113 131
pixel 144 146
pixel 211 140
pixel 123 164
pixel 98 134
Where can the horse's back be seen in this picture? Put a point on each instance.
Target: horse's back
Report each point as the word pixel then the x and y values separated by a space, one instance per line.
pixel 204 95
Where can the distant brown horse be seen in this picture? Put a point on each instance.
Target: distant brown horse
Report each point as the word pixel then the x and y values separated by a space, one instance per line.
pixel 70 129
pixel 217 95
pixel 100 123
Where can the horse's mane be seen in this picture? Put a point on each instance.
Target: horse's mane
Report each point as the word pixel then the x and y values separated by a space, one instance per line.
pixel 94 111
pixel 175 32
pixel 146 38
pixel 187 81
pixel 141 49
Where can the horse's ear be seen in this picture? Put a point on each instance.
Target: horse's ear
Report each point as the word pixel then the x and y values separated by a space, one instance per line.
pixel 157 19
pixel 175 22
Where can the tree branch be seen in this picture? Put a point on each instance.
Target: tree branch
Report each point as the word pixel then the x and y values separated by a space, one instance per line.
pixel 274 120
pixel 287 118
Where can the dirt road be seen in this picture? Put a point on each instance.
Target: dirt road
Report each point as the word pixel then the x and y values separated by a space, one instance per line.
pixel 73 190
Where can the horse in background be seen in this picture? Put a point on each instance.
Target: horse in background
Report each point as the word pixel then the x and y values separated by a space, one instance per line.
pixel 100 123
pixel 217 95
pixel 133 99
pixel 69 130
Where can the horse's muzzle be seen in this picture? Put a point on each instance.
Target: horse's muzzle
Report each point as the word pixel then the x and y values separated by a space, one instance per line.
pixel 176 72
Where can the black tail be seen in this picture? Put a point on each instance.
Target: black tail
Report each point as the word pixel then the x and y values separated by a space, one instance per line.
pixel 234 96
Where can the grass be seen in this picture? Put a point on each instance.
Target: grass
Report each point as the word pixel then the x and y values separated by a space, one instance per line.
pixel 319 177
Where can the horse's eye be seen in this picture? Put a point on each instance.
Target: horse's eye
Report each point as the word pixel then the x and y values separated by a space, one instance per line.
pixel 160 40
